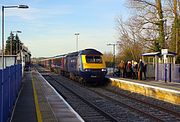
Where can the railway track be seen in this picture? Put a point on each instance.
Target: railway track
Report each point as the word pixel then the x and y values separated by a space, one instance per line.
pixel 102 104
pixel 159 113
pixel 94 112
pixel 175 113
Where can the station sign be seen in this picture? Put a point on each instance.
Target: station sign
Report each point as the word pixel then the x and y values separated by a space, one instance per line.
pixel 164 51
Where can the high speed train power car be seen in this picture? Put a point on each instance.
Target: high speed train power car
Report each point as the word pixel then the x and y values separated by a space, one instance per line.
pixel 84 66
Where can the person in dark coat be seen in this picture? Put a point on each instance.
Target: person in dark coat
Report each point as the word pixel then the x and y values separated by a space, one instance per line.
pixel 134 69
pixel 140 69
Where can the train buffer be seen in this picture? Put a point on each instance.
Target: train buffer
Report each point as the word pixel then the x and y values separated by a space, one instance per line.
pixel 38 102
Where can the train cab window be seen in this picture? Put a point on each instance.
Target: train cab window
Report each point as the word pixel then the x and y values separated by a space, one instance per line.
pixel 93 59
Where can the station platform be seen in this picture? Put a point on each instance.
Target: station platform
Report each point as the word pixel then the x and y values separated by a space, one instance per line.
pixel 166 91
pixel 38 101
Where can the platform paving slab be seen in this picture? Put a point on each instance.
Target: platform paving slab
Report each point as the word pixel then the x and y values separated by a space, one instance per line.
pixel 25 107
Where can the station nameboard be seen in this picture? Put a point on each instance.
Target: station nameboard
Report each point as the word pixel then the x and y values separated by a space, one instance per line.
pixel 164 51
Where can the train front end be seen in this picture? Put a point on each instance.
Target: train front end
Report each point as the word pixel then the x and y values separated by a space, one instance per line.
pixel 93 68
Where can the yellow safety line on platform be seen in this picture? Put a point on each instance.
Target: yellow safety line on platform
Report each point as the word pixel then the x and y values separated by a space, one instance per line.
pixel 38 112
pixel 167 95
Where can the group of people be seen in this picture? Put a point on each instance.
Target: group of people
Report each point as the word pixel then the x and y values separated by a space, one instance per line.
pixel 132 69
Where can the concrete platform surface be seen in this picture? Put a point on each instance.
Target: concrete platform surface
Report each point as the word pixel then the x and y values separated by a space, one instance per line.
pixel 169 91
pixel 25 107
pixel 38 101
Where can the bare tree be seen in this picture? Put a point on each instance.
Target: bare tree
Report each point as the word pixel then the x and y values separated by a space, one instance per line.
pixel 155 24
pixel 174 40
pixel 176 25
pixel 129 46
pixel 152 21
pixel 108 58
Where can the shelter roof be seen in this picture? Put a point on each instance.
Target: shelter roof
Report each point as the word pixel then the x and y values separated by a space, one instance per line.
pixel 158 54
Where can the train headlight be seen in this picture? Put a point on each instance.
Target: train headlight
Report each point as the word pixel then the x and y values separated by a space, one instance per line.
pixel 87 70
pixel 104 70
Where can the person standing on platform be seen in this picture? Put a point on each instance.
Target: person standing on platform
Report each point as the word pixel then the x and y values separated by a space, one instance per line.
pixel 129 69
pixel 134 70
pixel 121 68
pixel 140 69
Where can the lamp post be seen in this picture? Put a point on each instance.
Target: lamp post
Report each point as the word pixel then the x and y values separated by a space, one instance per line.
pixel 77 34
pixel 11 43
pixel 3 7
pixel 114 56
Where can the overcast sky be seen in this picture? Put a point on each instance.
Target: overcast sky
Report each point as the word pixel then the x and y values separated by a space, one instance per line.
pixel 48 26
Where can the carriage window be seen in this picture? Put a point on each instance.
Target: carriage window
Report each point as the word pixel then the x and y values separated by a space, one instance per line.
pixel 93 59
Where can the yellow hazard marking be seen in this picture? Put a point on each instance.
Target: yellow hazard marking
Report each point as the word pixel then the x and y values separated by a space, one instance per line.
pixel 38 112
pixel 93 65
pixel 148 91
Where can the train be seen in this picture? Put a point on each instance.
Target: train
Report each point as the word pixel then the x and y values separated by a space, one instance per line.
pixel 84 66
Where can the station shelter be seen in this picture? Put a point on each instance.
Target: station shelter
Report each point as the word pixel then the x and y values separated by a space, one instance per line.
pixel 161 66
pixel 9 60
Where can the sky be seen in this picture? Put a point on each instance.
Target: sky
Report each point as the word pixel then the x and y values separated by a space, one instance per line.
pixel 48 26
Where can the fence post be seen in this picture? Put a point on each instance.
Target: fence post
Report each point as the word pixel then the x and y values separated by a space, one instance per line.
pixel 15 75
pixel 20 71
pixel 170 72
pixel 12 87
pixel 18 76
pixel 13 84
pixel 5 95
pixel 165 76
pixel 9 89
pixel 1 98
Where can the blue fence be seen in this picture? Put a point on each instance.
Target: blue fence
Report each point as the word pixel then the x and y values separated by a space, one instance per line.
pixel 9 89
pixel 168 72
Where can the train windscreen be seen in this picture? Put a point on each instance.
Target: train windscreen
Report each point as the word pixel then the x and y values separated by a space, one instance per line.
pixel 93 59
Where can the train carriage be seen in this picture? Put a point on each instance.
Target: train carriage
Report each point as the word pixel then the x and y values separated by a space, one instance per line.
pixel 85 66
pixel 59 64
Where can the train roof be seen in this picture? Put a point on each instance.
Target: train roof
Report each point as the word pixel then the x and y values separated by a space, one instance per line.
pixel 90 51
pixel 85 52
pixel 59 56
pixel 81 52
pixel 72 54
pixel 45 59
